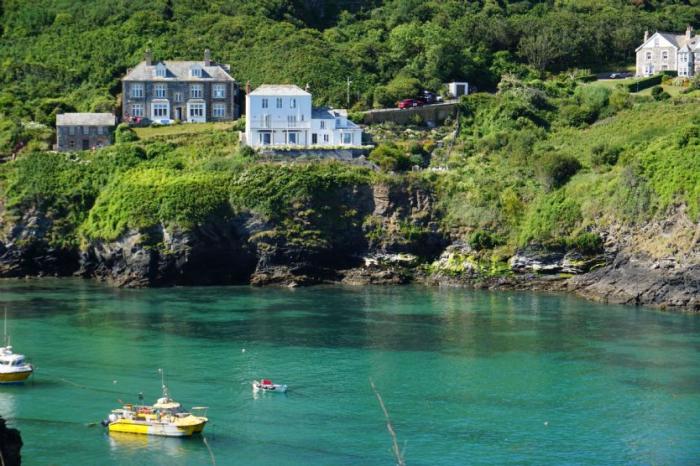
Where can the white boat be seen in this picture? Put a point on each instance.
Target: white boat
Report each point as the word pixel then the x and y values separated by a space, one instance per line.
pixel 266 385
pixel 13 367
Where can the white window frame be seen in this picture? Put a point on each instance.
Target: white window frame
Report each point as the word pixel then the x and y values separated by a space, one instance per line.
pixel 160 91
pixel 137 90
pixel 196 91
pixel 291 121
pixel 100 130
pixel 264 103
pixel 326 139
pixel 161 71
pixel 160 110
pixel 664 55
pixel 71 130
pixel 648 55
pixel 292 103
pixel 295 135
pixel 137 110
pixel 261 138
pixel 177 96
pixel 279 102
pixel 347 136
pixel 219 91
pixel 86 131
pixel 196 72
pixel 322 124
pixel 197 111
pixel 218 110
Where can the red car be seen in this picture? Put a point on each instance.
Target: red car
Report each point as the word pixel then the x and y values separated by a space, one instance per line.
pixel 409 103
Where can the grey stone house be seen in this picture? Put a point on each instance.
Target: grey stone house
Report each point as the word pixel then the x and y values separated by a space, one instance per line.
pixel 664 51
pixel 83 131
pixel 188 91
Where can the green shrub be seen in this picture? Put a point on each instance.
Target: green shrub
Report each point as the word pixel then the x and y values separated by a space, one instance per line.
pixel 602 154
pixel 124 134
pixel 645 83
pixel 480 240
pixel 389 157
pixel 586 243
pixel 555 170
pixel 576 115
pixel 658 93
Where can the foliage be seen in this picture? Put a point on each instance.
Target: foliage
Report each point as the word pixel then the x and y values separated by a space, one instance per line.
pixel 390 157
pixel 644 83
pixel 556 169
pixel 123 134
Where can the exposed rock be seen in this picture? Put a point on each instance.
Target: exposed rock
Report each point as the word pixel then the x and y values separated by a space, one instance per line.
pixel 10 445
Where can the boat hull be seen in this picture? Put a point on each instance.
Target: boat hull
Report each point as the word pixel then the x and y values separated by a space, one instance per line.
pixel 14 377
pixel 162 430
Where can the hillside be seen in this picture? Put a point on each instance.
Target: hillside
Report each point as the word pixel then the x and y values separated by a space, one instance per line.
pixel 62 55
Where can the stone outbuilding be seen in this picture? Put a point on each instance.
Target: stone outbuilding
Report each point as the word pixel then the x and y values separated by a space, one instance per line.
pixel 83 131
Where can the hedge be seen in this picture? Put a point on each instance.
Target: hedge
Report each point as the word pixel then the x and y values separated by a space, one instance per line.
pixel 644 83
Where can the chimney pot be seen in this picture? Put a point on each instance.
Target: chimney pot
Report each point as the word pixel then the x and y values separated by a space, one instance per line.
pixel 689 32
pixel 247 87
pixel 207 57
pixel 148 56
pixel 646 35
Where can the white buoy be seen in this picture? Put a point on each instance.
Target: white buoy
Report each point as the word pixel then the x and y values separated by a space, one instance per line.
pixel 243 350
pixel 114 381
pixel 546 423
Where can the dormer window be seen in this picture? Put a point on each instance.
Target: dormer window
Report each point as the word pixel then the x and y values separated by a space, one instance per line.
pixel 161 70
pixel 196 71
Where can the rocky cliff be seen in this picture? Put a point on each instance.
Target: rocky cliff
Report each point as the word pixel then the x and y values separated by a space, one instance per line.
pixel 10 445
pixel 383 233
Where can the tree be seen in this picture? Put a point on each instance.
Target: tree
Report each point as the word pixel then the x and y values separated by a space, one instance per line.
pixel 540 50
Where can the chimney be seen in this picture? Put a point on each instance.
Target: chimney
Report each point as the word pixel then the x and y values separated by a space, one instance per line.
pixel 307 87
pixel 207 57
pixel 689 32
pixel 148 56
pixel 646 35
pixel 247 87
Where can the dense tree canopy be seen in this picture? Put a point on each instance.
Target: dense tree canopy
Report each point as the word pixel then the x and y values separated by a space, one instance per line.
pixel 62 54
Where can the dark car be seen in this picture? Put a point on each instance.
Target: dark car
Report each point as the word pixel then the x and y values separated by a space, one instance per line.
pixel 428 97
pixel 620 75
pixel 410 103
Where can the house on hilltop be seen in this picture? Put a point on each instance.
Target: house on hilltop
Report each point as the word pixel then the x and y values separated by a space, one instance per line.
pixel 664 51
pixel 83 131
pixel 188 91
pixel 282 115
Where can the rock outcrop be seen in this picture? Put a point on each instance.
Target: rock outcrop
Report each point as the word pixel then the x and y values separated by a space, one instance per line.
pixel 10 445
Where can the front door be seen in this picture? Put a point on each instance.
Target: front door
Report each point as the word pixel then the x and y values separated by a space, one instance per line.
pixel 178 113
pixel 86 144
pixel 314 138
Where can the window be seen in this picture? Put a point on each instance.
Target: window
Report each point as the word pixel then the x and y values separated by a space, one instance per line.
pixel 664 55
pixel 219 91
pixel 347 138
pixel 291 121
pixel 265 138
pixel 325 138
pixel 137 90
pixel 86 130
pixel 279 102
pixel 267 121
pixel 160 70
pixel 100 130
pixel 137 110
pixel 292 103
pixel 664 67
pixel 219 110
pixel 71 130
pixel 648 55
pixel 323 124
pixel 196 72
pixel 292 138
pixel 656 42
pixel 177 96
pixel 264 103
pixel 196 110
pixel 196 91
pixel 160 110
pixel 71 143
pixel 161 90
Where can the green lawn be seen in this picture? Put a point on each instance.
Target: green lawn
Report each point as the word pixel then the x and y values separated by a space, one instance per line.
pixel 674 91
pixel 182 129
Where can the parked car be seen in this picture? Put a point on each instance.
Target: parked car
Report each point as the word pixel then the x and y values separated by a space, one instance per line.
pixel 428 97
pixel 620 75
pixel 410 103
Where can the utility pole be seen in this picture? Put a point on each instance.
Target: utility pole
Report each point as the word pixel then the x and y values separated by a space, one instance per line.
pixel 348 97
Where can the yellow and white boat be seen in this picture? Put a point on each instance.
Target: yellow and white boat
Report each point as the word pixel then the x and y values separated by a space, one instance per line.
pixel 165 418
pixel 13 367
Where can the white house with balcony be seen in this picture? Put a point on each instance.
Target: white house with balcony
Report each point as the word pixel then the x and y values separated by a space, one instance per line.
pixel 282 115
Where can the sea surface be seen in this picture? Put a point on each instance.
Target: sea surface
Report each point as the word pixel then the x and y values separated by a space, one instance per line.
pixel 467 377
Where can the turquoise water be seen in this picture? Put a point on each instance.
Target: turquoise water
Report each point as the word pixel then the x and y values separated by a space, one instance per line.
pixel 468 377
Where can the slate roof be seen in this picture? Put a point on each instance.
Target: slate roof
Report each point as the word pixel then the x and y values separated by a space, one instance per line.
pixel 677 40
pixel 178 71
pixel 279 89
pixel 85 119
pixel 322 114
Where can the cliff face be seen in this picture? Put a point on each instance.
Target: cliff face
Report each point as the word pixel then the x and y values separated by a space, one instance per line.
pixel 10 445
pixel 384 234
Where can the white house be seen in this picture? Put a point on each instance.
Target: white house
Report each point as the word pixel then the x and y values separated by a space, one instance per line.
pixel 668 51
pixel 457 89
pixel 282 115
